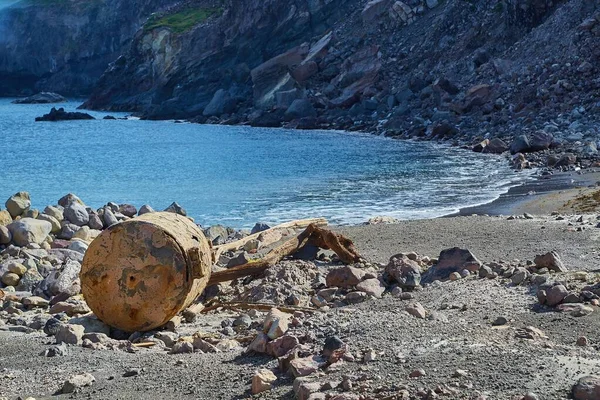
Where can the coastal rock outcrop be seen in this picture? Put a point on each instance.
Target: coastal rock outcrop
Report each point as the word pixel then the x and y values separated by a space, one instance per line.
pixel 62 115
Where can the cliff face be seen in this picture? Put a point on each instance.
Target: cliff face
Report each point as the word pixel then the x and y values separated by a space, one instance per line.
pixel 240 60
pixel 174 71
pixel 65 45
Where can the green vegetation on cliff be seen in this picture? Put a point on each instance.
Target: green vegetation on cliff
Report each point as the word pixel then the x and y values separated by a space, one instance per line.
pixel 184 20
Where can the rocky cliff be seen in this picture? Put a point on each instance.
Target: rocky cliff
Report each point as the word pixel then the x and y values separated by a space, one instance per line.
pixel 412 67
pixel 65 45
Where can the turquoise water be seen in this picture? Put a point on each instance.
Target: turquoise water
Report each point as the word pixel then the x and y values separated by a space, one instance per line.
pixel 238 175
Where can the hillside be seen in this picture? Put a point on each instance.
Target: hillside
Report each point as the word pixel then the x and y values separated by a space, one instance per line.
pixel 65 45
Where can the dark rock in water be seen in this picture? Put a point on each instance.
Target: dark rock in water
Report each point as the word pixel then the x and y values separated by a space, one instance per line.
pixel 496 146
pixel 62 115
pixel 259 227
pixel 42 98
pixel 109 117
pixel 519 145
pixel 449 261
pixel 177 209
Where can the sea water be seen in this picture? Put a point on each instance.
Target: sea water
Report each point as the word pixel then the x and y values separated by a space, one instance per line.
pixel 238 175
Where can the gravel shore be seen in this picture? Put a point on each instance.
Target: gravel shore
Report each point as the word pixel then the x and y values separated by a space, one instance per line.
pixel 457 351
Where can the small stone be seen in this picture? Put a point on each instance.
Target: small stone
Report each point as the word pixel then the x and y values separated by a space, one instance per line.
pixel 168 338
pixel 575 309
pixel 17 268
pixel 455 276
pixel 370 355
pixel 417 373
pixel 262 380
pixel 35 301
pixel 55 351
pixel 416 310
pixel 259 344
pixel 332 343
pixel 530 396
pixel 276 323
pixel 582 341
pixel 77 382
pixel 500 321
pixel 10 279
pixel 18 203
pixel 145 209
pixel 132 372
pixel 355 297
pixel 555 295
pixel 182 348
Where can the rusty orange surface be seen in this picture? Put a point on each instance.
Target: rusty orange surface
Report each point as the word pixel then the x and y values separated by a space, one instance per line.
pixel 138 274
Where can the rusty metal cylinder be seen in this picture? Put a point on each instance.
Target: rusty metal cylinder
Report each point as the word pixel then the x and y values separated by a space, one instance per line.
pixel 138 274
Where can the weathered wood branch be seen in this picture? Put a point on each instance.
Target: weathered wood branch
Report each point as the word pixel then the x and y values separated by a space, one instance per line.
pixel 314 234
pixel 238 244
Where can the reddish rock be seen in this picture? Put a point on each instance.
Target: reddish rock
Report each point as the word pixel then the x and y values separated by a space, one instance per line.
pixel 281 346
pixel 587 388
pixel 306 366
pixel 551 261
pixel 345 277
pixel 555 295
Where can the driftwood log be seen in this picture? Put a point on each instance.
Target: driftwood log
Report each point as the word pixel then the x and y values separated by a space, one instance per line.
pixel 238 244
pixel 313 234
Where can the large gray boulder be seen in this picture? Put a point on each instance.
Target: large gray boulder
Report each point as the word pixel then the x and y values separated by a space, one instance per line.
pixel 404 271
pixel 221 103
pixel 519 145
pixel 28 230
pixel 300 108
pixel 77 214
pixel 18 203
pixel 449 261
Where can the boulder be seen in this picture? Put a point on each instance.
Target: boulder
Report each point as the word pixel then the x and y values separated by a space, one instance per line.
pixel 177 209
pixel 285 98
pixel 345 277
pixel 76 382
pixel 68 199
pixel 300 108
pixel 449 261
pixel 145 209
pixel 109 217
pixel 5 235
pixel 566 160
pixel 540 141
pixel 555 295
pixel 215 231
pixel 273 75
pixel 520 144
pixel 373 9
pixel 56 228
pixel 587 388
pixel 262 380
pixel 404 271
pixel 221 103
pixel 28 230
pixel 128 210
pixel 70 334
pixel 276 323
pixel 77 214
pixel 62 115
pixel 496 146
pixel 18 203
pixel 551 261
pixel 55 212
pixel 5 218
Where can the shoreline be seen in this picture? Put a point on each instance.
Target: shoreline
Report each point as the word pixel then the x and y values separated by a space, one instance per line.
pixel 541 195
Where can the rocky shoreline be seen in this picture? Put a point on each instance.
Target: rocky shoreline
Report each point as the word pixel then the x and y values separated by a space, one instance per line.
pixel 321 329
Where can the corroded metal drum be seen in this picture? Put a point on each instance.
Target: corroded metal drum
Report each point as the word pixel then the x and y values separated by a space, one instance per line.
pixel 138 274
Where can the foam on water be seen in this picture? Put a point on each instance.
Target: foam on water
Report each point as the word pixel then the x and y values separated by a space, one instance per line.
pixel 239 175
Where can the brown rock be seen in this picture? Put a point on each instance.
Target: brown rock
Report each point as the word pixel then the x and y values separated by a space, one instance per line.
pixel 555 295
pixel 262 380
pixel 416 310
pixel 281 346
pixel 5 218
pixel 306 366
pixel 587 388
pixel 551 261
pixel 276 323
